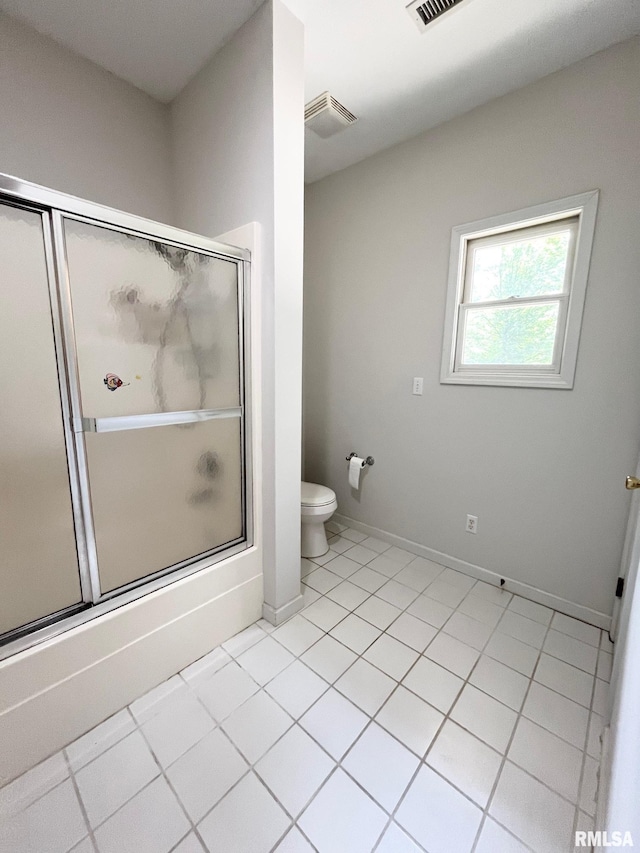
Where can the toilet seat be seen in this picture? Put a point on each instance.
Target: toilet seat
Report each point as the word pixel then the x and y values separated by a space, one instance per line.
pixel 314 495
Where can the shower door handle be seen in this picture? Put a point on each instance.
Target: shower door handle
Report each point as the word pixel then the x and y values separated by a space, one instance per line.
pixel 126 422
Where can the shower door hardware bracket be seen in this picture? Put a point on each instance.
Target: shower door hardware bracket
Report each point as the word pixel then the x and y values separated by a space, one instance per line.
pixel 632 483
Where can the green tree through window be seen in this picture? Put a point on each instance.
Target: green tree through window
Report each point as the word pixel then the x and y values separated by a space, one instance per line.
pixel 515 333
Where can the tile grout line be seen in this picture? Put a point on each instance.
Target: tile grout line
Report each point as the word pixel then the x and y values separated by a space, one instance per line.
pixel 519 714
pixel 575 806
pixel 371 718
pixel 465 682
pixel 471 577
pixel 318 565
pixel 139 728
pixel 446 718
pixel 337 762
pixel 81 803
pixel 421 759
pixel 219 726
pixel 481 653
pixel 251 765
pixel 192 690
pixel 495 628
pixel 584 761
pixel 476 581
pixel 37 799
pixel 193 828
pixel 507 606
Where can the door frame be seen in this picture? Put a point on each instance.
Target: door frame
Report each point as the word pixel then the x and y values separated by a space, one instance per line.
pixel 632 534
pixel 617 806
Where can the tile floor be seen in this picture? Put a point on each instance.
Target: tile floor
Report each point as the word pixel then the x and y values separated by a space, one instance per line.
pixel 407 708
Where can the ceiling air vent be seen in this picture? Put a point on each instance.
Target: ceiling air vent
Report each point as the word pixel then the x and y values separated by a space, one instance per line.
pixel 424 12
pixel 326 116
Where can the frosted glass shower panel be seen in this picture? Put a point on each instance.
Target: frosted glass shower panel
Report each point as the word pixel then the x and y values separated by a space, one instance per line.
pixel 38 559
pixel 124 437
pixel 156 325
pixel 163 495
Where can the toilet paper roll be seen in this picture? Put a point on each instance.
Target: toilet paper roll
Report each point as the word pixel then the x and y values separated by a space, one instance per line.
pixel 356 464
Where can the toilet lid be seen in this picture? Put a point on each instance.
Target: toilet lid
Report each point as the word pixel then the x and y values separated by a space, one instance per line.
pixel 314 495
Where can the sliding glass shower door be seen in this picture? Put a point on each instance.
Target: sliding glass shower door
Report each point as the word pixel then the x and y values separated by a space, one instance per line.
pixel 38 561
pixel 123 437
pixel 157 351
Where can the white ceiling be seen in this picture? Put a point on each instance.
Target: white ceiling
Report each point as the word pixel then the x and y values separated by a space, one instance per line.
pixel 371 56
pixel 367 53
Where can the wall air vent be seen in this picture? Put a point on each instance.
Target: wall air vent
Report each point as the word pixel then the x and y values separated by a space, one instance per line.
pixel 326 116
pixel 424 12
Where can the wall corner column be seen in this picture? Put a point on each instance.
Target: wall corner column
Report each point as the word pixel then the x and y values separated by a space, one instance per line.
pixel 282 561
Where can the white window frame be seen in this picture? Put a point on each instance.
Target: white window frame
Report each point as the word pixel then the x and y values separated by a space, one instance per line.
pixel 561 373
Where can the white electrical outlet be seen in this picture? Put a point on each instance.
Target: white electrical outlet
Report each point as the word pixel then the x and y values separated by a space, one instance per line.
pixel 417 385
pixel 472 524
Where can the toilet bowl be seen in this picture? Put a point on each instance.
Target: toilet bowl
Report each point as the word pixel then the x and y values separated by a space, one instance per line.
pixel 317 505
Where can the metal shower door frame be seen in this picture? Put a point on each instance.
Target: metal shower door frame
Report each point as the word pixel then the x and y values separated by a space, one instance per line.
pixel 55 207
pixel 44 213
pixel 81 424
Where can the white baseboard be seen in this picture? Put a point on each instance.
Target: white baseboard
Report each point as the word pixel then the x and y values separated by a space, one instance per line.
pixel 578 611
pixel 277 617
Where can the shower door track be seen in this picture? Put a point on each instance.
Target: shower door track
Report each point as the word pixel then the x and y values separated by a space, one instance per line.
pixel 55 207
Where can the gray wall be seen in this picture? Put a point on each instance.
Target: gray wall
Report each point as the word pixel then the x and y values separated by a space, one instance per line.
pixel 222 127
pixel 542 469
pixel 74 127
pixel 237 137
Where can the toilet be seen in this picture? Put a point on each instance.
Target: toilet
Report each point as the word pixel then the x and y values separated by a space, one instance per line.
pixel 317 505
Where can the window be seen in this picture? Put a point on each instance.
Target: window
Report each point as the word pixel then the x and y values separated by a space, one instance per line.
pixel 516 292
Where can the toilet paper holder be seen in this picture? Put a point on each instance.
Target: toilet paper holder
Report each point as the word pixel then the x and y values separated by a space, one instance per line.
pixel 368 461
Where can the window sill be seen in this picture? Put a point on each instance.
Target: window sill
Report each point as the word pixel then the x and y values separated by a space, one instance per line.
pixel 511 380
